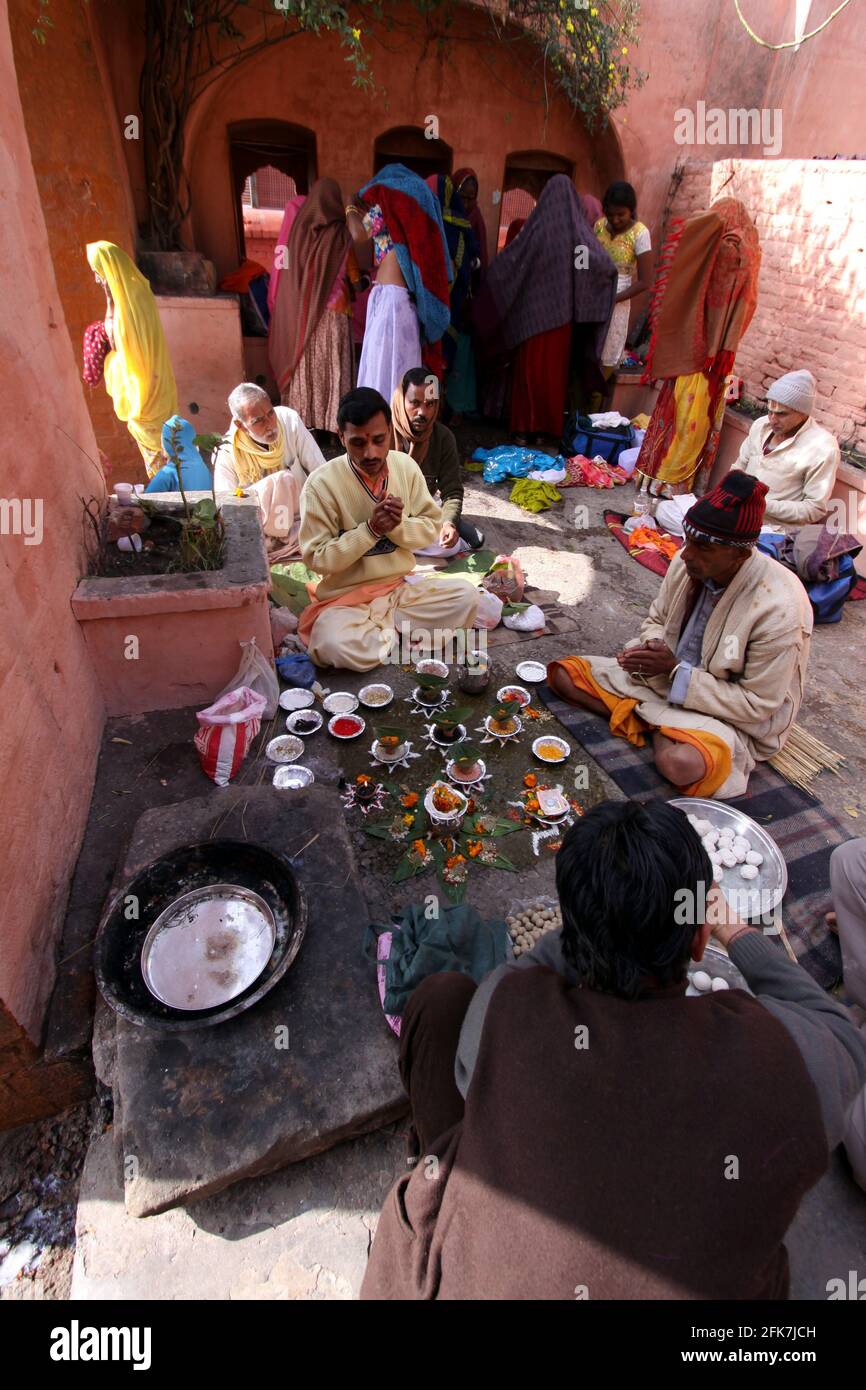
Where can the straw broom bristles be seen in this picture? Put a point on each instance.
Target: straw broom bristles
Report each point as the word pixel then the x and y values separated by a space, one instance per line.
pixel 804 757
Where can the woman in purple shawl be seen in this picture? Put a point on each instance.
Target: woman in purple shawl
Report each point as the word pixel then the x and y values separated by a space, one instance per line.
pixel 545 303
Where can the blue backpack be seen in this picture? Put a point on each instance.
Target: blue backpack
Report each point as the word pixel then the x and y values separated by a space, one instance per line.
pixel 582 437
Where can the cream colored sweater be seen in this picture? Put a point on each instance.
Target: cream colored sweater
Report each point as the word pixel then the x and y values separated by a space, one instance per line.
pixel 335 539
pixel 800 473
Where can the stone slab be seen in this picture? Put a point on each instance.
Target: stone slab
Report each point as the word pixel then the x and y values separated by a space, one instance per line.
pixel 200 1110
pixel 303 1233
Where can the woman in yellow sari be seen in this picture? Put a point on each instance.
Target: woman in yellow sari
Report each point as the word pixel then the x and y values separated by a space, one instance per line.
pixel 138 373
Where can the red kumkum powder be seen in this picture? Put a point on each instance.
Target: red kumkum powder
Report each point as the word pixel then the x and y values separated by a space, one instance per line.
pixel 345 726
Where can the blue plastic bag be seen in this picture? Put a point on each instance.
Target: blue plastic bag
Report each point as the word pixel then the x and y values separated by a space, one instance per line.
pixel 512 461
pixel 297 669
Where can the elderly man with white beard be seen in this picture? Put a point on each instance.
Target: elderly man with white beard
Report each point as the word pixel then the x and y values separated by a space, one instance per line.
pixel 269 453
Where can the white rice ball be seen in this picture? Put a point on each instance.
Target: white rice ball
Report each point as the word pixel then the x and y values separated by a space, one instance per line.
pixel 753 857
pixel 692 993
pixel 719 983
pixel 739 855
pixel 749 871
pixel 703 827
pixel 740 842
pixel 702 981
pixel 708 842
pixel 726 834
pixel 728 859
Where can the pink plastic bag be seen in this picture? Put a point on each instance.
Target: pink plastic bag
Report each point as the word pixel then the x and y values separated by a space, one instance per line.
pixel 228 727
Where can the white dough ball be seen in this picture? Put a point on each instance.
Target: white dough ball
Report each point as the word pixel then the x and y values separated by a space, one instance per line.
pixel 702 981
pixel 740 842
pixel 749 871
pixel 727 834
pixel 708 842
pixel 719 982
pixel 753 857
pixel 703 827
pixel 692 993
pixel 739 855
pixel 728 859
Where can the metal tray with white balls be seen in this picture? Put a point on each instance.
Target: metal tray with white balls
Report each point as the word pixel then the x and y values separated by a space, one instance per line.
pixel 756 896
pixel 717 964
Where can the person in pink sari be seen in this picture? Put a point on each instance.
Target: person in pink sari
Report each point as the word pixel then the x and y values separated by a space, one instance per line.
pixel 293 207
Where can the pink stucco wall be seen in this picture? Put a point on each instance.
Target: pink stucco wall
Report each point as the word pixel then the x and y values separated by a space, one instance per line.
pixel 203 334
pixel 51 711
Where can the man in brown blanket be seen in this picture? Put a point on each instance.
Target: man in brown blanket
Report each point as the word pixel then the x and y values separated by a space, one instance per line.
pixel 585 1130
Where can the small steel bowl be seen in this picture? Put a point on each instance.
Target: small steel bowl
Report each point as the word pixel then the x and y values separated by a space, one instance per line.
pixel 429 698
pixel 304 716
pixel 532 671
pixel 388 755
pixel 293 778
pixel 459 736
pixel 342 715
pixel 340 702
pixel 520 693
pixel 432 668
pixel 297 699
pixel 364 695
pixel 558 742
pixel 285 749
pixel 451 771
pixel 494 733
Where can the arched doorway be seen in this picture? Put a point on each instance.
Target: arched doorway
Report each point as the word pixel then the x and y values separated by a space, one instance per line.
pixel 268 159
pixel 526 173
pixel 409 145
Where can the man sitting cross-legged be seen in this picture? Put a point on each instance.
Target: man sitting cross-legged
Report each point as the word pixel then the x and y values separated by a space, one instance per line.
pixel 362 517
pixel 585 1130
pixel 717 674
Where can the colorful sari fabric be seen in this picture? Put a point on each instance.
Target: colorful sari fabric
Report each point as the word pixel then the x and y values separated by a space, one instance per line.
pixel 463 249
pixel 138 372
pixel 533 285
pixel 316 254
pixel 704 297
pixel 414 220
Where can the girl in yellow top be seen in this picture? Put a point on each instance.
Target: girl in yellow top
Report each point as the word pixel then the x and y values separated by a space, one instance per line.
pixel 138 373
pixel 628 244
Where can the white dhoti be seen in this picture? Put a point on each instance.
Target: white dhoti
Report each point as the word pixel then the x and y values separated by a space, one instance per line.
pixel 428 609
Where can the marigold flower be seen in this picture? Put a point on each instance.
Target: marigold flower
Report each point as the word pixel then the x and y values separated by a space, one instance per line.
pixel 409 799
pixel 408 820
pixel 475 847
pixel 454 860
pixel 530 780
pixel 569 26
pixel 356 34
pixel 239 492
pixel 420 848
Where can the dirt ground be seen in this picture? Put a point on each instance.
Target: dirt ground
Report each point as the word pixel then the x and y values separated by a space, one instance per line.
pixel 580 567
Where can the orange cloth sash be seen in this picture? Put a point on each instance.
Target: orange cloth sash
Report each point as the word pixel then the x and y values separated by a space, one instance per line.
pixel 624 723
pixel 362 593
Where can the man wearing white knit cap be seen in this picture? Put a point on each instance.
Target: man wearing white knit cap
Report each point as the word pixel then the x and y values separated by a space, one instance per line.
pixel 796 457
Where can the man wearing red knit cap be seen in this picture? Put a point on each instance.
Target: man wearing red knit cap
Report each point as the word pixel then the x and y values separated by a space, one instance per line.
pixel 717 674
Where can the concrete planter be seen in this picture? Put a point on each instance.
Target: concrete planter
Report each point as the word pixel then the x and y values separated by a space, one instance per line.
pixel 169 640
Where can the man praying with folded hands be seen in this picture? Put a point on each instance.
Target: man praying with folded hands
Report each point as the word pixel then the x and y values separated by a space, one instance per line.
pixel 717 674
pixel 363 515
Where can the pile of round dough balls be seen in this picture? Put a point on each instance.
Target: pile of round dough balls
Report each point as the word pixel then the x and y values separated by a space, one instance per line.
pixel 526 928
pixel 700 982
pixel 727 849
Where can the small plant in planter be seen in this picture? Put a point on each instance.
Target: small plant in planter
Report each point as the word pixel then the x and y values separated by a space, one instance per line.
pixel 430 689
pixel 202 531
pixel 447 722
pixel 503 717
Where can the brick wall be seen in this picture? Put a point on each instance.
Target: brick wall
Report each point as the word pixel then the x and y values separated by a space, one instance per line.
pixel 812 289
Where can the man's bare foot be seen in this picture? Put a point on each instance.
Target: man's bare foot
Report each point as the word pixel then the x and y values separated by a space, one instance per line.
pixel 830 919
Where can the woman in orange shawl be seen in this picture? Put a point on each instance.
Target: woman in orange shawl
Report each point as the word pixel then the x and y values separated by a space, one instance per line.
pixel 704 297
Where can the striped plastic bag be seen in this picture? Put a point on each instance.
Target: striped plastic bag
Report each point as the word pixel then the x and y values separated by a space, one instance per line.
pixel 228 727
